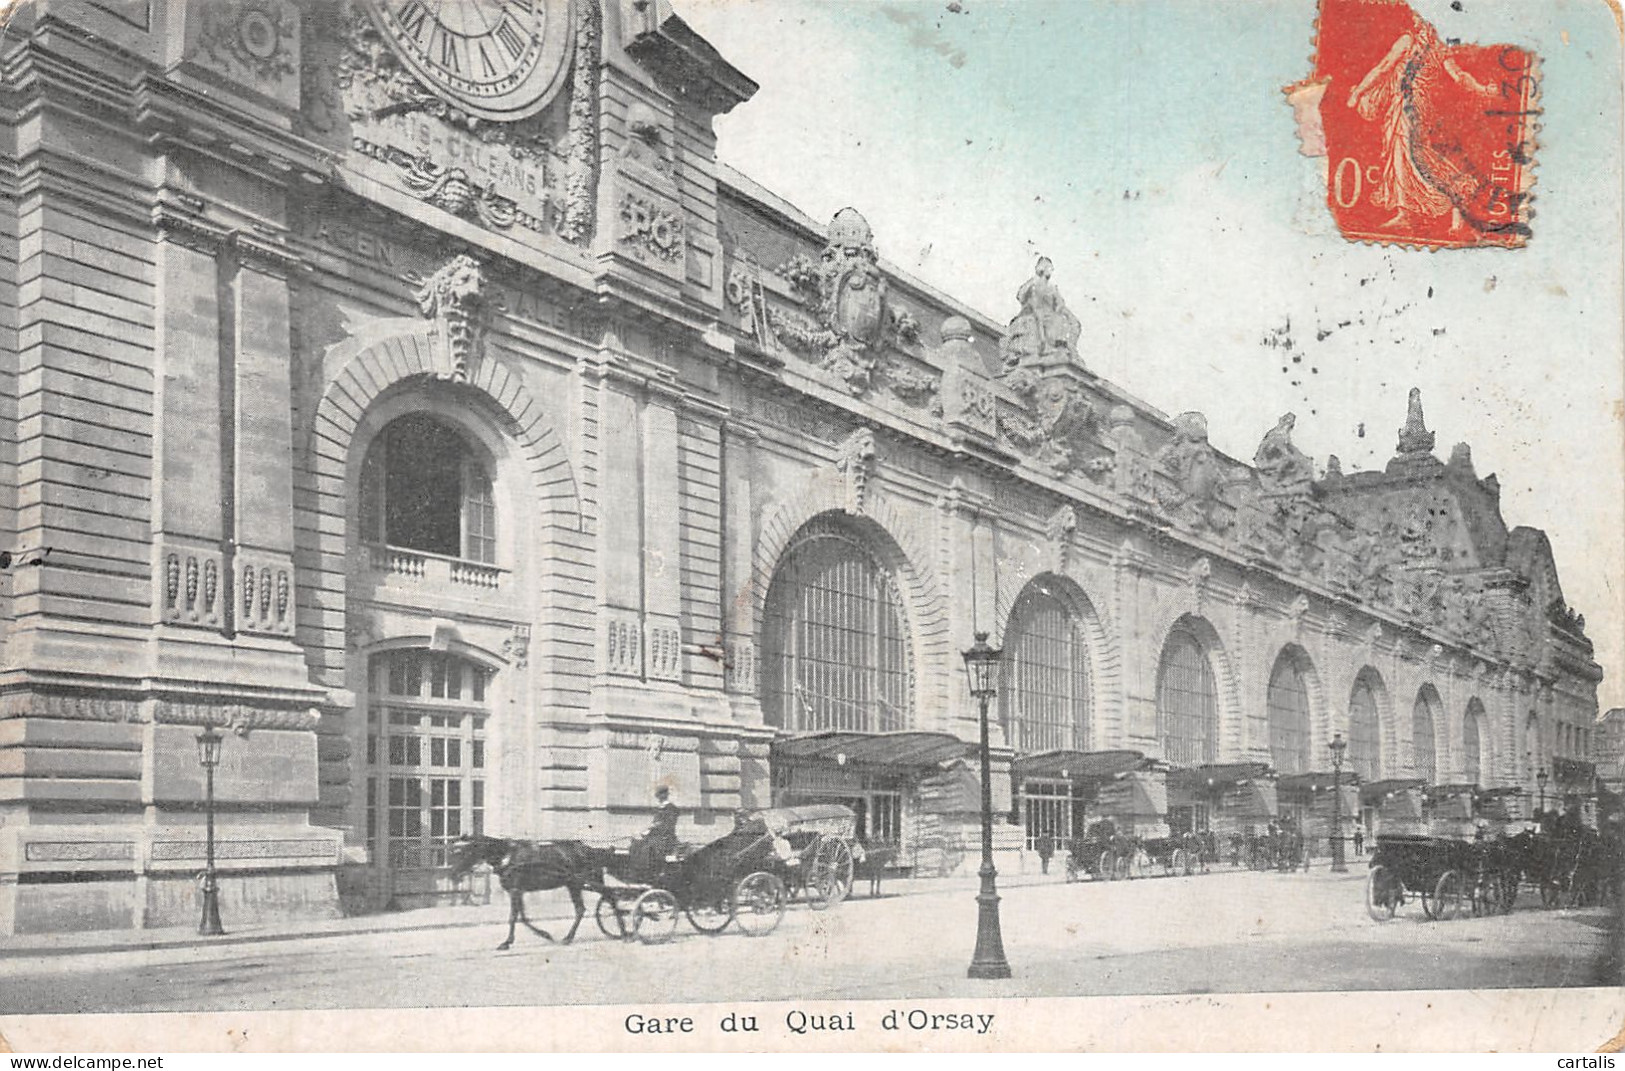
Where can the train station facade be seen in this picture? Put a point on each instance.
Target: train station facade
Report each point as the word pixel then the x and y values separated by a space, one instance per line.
pixel 422 404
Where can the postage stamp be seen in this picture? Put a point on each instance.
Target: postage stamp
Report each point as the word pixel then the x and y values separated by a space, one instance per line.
pixel 1429 141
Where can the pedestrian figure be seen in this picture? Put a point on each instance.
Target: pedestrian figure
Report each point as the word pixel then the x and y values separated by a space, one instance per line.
pixel 1359 841
pixel 1046 850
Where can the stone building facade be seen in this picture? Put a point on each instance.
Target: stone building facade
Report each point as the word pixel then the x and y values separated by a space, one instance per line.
pixel 416 397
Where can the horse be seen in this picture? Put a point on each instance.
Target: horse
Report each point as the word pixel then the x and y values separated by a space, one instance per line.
pixel 532 866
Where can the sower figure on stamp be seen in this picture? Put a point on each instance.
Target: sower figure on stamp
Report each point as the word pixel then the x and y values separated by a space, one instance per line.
pixel 1417 178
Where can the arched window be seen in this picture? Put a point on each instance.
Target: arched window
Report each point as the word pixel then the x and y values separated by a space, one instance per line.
pixel 1288 707
pixel 1045 690
pixel 1422 741
pixel 835 638
pixel 1471 745
pixel 423 488
pixel 1365 741
pixel 1187 702
pixel 425 754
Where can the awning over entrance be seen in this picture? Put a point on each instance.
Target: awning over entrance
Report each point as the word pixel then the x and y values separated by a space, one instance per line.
pixel 1217 776
pixel 872 749
pixel 1318 781
pixel 1373 794
pixel 1077 766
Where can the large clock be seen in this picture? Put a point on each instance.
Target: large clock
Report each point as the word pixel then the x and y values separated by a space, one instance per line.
pixel 495 59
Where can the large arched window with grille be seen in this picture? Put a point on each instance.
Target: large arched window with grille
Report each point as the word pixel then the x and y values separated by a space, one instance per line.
pixel 1365 740
pixel 426 718
pixel 835 637
pixel 424 488
pixel 1287 703
pixel 1045 688
pixel 1187 701
pixel 1423 747
pixel 1472 744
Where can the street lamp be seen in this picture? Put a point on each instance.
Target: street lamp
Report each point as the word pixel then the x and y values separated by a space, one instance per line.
pixel 982 666
pixel 208 753
pixel 1338 746
pixel 1540 782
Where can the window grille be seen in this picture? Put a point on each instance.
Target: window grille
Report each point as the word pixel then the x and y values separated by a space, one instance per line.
pixel 1470 745
pixel 423 488
pixel 426 753
pixel 1422 745
pixel 1365 742
pixel 1045 691
pixel 1187 702
pixel 836 639
pixel 1288 706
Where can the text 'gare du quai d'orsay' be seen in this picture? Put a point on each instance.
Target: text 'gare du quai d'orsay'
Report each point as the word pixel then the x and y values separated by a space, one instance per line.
pixel 407 390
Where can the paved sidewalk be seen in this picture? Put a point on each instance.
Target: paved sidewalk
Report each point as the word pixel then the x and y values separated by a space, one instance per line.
pixel 33 946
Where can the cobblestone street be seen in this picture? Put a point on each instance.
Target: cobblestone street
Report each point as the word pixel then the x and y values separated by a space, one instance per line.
pixel 1226 932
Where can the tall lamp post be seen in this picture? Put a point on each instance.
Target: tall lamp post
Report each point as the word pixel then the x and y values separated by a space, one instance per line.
pixel 1540 782
pixel 1338 746
pixel 208 753
pixel 982 666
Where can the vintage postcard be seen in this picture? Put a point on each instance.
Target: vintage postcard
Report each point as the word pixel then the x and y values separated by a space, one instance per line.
pixel 734 525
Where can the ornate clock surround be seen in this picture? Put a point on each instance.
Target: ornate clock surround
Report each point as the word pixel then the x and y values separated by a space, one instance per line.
pixel 495 60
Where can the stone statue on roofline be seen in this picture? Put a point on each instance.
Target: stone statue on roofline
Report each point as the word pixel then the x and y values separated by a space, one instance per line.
pixel 1045 329
pixel 1283 469
pixel 1197 476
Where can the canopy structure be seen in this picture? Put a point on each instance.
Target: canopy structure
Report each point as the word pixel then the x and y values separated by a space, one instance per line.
pixel 906 748
pixel 1317 781
pixel 1439 792
pixel 1077 766
pixel 1373 794
pixel 1217 776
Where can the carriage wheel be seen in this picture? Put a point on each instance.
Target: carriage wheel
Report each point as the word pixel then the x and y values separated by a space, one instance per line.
pixel 1381 898
pixel 1179 862
pixel 710 916
pixel 830 878
pixel 611 919
pixel 758 903
pixel 1107 869
pixel 654 916
pixel 1120 868
pixel 1447 896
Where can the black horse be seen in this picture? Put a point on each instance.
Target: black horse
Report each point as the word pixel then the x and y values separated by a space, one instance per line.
pixel 526 866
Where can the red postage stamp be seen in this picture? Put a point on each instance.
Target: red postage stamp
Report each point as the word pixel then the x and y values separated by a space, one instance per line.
pixel 1428 141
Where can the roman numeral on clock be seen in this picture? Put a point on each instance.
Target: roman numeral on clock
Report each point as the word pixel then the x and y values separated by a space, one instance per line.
pixel 448 53
pixel 412 16
pixel 511 39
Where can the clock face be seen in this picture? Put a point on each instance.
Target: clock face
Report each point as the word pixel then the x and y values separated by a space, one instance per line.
pixel 497 59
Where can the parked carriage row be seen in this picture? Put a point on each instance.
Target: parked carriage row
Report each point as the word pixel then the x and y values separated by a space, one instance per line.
pixel 1452 876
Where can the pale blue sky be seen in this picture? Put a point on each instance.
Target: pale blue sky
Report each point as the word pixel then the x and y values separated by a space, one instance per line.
pixel 1147 148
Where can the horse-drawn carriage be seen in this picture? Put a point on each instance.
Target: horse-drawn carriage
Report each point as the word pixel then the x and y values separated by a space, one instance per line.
pixel 745 877
pixel 1447 874
pixel 1107 855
